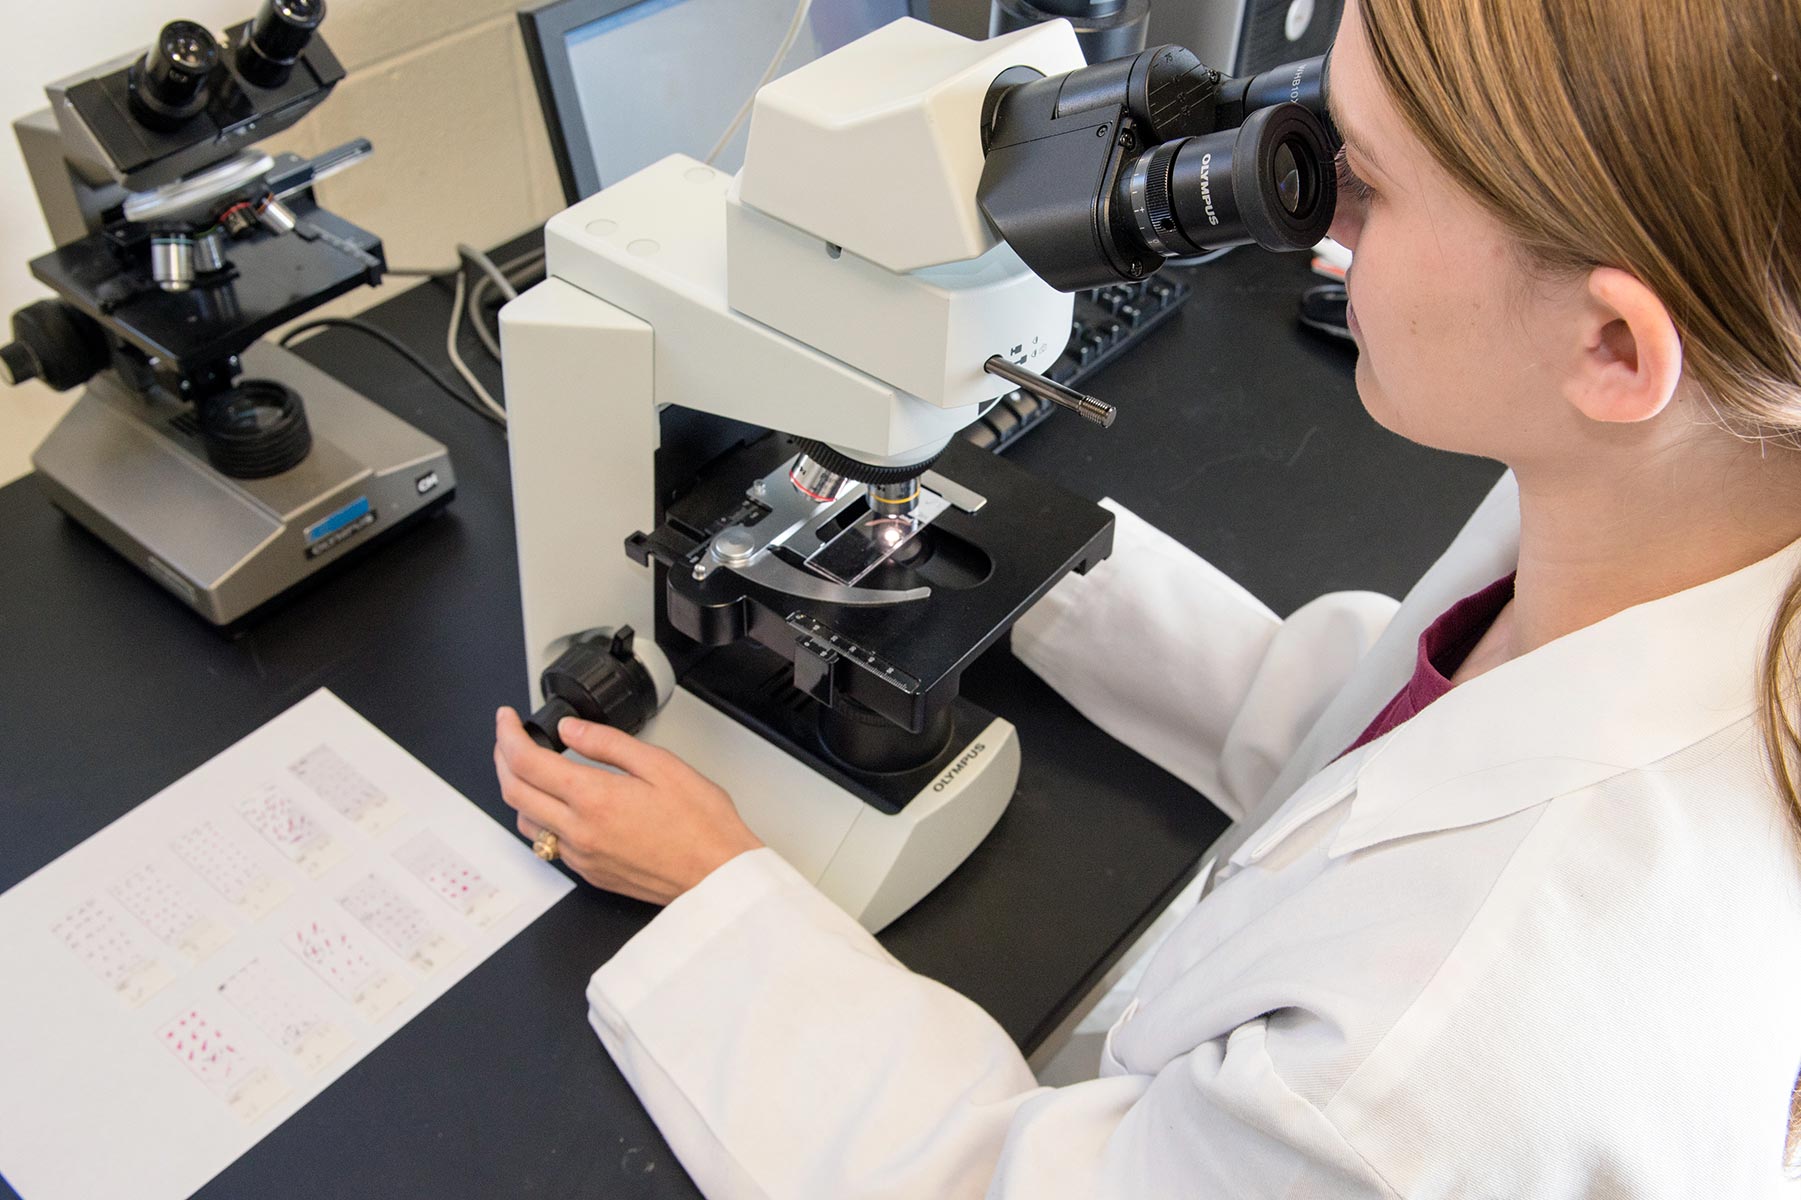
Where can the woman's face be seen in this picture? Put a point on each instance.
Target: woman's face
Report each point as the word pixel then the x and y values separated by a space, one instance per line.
pixel 1458 347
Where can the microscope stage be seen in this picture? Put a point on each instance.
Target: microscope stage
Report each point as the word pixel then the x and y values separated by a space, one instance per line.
pixel 272 280
pixel 902 660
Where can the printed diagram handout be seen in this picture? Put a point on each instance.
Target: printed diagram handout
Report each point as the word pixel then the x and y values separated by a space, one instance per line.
pixel 190 976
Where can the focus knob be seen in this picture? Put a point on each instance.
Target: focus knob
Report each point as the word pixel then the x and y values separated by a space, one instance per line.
pixel 598 679
pixel 53 342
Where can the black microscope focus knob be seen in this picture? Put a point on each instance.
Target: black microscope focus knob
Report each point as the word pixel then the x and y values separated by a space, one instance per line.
pixel 277 38
pixel 53 342
pixel 598 679
pixel 170 84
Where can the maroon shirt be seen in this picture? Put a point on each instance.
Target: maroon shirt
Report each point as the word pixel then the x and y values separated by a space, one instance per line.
pixel 1443 647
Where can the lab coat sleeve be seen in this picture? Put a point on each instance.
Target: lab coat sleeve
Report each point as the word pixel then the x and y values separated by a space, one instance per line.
pixel 784 1053
pixel 1167 654
pixel 786 1056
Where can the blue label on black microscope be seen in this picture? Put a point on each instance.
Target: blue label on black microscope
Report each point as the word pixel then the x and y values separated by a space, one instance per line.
pixel 338 528
pixel 338 520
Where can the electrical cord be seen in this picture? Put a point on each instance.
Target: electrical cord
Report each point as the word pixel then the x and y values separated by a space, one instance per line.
pixel 482 403
pixel 528 268
pixel 775 65
pixel 478 319
pixel 470 254
pixel 399 347
pixel 456 358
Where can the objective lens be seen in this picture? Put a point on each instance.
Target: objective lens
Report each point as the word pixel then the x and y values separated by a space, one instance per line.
pixel 815 482
pixel 894 499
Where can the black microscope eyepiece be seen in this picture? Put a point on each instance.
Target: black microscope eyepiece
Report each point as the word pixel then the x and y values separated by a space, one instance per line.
pixel 278 37
pixel 173 81
pixel 1269 181
pixel 1102 173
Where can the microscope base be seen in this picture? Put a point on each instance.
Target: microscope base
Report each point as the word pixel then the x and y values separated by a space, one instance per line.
pixel 874 865
pixel 131 468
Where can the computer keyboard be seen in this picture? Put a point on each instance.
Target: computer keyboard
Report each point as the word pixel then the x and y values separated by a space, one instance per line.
pixel 1108 322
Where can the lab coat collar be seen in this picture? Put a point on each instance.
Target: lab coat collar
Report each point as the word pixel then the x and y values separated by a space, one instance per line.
pixel 1621 694
pixel 1327 788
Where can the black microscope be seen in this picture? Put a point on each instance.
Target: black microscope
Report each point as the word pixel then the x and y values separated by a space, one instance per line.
pixel 227 468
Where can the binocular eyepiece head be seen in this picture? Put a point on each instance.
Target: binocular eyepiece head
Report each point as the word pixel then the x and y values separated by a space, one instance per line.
pixel 1187 161
pixel 179 74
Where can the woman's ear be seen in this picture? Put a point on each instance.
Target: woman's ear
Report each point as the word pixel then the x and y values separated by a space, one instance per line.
pixel 1629 358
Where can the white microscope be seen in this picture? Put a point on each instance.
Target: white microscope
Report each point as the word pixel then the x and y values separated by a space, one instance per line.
pixel 748 531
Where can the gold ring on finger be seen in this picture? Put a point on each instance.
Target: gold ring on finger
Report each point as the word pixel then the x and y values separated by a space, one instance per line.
pixel 545 845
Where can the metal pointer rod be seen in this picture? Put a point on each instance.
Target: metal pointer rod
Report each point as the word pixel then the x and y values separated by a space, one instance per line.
pixel 1049 390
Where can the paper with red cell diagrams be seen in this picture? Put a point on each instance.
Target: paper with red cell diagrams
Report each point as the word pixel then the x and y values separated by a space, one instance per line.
pixel 186 979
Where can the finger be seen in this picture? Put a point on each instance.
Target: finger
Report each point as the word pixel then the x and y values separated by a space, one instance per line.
pixel 615 747
pixel 528 827
pixel 532 763
pixel 529 801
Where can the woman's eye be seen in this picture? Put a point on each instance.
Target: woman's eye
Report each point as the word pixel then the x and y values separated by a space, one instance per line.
pixel 1349 184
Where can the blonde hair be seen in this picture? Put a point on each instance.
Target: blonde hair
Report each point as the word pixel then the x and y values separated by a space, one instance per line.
pixel 1662 137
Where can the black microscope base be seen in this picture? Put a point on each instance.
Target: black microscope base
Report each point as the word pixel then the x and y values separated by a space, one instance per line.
pixel 755 687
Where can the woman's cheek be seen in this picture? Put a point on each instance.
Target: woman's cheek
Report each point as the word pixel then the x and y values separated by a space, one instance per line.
pixel 1383 363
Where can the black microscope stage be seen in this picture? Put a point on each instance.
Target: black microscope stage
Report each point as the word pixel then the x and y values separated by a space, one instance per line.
pixel 776 661
pixel 271 280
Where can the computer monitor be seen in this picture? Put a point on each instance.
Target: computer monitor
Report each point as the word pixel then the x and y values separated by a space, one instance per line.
pixel 626 82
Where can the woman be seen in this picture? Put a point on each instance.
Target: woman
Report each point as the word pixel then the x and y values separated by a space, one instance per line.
pixel 1513 908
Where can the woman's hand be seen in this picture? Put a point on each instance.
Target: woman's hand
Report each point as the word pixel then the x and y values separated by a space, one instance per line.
pixel 650 833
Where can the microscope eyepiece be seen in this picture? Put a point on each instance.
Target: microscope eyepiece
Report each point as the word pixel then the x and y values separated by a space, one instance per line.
pixel 171 84
pixel 1306 83
pixel 1293 186
pixel 1267 182
pixel 182 56
pixel 1185 160
pixel 278 37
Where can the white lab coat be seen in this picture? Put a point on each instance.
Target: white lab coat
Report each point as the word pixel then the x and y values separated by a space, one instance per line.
pixel 1542 940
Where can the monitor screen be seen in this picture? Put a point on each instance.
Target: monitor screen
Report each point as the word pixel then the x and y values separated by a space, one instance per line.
pixel 625 84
